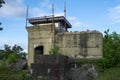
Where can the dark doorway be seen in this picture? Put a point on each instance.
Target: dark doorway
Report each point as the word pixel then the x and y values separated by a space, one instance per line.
pixel 39 50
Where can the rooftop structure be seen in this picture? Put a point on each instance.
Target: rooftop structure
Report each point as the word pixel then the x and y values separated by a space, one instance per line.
pixel 48 19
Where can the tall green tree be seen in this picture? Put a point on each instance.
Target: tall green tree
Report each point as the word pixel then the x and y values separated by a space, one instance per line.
pixel 7 50
pixel 17 49
pixel 12 51
pixel 112 47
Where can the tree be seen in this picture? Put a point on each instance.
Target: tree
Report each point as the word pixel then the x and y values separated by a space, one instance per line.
pixel 17 49
pixel 8 50
pixel 2 54
pixel 112 48
pixel 1 2
pixel 23 55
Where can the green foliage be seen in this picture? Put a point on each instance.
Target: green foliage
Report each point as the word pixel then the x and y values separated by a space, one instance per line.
pixel 7 50
pixel 54 50
pixel 17 49
pixel 1 2
pixel 111 51
pixel 2 54
pixel 10 55
pixel 101 64
pixel 112 48
pixel 9 74
pixel 22 55
pixel 7 47
pixel 12 58
pixel 110 74
pixel 91 61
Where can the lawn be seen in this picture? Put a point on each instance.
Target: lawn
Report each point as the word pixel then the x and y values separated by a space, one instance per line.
pixel 110 74
pixel 9 74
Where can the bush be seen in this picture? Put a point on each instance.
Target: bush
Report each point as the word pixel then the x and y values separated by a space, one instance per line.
pixel 54 50
pixel 111 50
pixel 12 58
pixel 101 64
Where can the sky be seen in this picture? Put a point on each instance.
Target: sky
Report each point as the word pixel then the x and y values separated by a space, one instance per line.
pixel 82 14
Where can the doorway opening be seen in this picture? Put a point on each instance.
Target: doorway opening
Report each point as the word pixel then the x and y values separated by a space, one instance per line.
pixel 39 50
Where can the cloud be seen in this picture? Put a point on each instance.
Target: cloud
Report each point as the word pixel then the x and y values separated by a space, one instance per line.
pixel 12 43
pixel 37 12
pixel 17 8
pixel 42 9
pixel 14 8
pixel 46 4
pixel 114 14
pixel 59 14
pixel 76 23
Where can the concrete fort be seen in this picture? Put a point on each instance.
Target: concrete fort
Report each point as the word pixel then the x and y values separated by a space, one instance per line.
pixel 45 32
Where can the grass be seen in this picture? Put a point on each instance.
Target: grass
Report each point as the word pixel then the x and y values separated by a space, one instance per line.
pixel 110 74
pixel 9 74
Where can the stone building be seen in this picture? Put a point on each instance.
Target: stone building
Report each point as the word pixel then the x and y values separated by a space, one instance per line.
pixel 45 31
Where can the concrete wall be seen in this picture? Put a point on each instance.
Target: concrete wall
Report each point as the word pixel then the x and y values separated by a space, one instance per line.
pixel 88 44
pixel 38 36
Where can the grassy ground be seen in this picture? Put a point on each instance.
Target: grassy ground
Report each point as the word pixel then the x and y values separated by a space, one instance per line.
pixel 110 74
pixel 8 74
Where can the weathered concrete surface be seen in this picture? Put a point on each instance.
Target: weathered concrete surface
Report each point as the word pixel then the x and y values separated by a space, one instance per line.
pixel 88 44
pixel 59 67
pixel 85 44
pixel 50 67
pixel 83 72
pixel 39 36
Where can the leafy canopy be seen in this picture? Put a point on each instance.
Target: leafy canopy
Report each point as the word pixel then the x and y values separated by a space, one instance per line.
pixel 111 50
pixel 8 50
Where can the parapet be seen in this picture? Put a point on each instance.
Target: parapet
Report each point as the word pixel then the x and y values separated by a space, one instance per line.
pixel 80 32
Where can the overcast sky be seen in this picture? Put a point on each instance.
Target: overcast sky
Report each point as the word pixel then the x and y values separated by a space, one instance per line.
pixel 82 14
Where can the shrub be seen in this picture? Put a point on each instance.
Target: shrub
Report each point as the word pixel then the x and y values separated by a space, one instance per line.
pixel 54 50
pixel 12 58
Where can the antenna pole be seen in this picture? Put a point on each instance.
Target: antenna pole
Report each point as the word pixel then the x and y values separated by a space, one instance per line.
pixel 53 25
pixel 27 15
pixel 65 9
pixel 65 14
